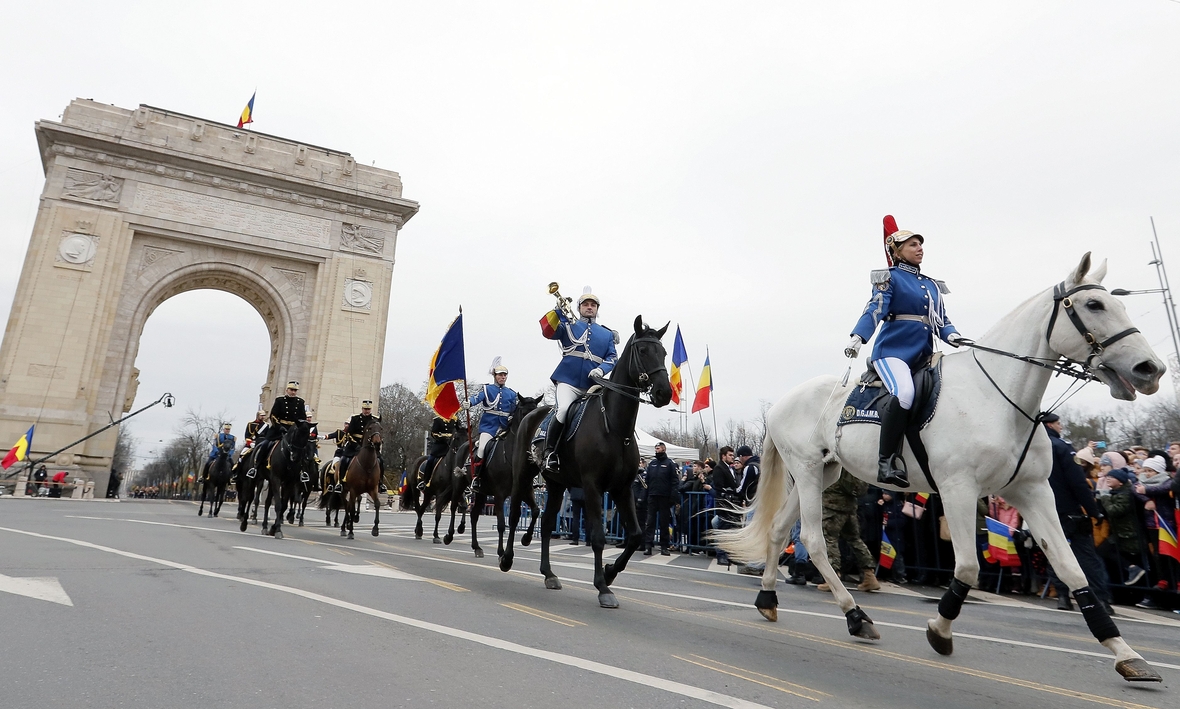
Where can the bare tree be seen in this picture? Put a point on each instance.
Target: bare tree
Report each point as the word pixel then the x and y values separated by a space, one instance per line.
pixel 405 420
pixel 124 451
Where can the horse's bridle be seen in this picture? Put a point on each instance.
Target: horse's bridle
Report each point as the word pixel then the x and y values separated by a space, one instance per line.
pixel 1062 298
pixel 644 377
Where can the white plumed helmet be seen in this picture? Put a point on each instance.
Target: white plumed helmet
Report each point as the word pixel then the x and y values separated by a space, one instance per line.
pixel 588 294
pixel 497 368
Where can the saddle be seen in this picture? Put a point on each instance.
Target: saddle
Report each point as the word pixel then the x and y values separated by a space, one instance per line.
pixel 577 413
pixel 862 406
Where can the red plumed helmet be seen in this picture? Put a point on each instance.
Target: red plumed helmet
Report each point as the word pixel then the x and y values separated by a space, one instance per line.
pixel 895 237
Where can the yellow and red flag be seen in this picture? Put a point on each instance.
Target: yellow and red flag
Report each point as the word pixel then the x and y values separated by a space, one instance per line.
pixel 1168 545
pixel 1001 546
pixel 679 357
pixel 248 112
pixel 549 324
pixel 704 388
pixel 446 367
pixel 888 553
pixel 20 451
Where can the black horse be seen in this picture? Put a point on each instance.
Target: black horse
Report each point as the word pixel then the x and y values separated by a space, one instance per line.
pixel 330 500
pixel 497 475
pixel 446 488
pixel 602 457
pixel 286 460
pixel 303 487
pixel 249 488
pixel 217 473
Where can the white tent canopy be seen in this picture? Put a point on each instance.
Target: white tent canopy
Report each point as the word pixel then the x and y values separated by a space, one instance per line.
pixel 647 448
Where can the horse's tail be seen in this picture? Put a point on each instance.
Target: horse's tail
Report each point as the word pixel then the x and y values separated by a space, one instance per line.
pixel 749 543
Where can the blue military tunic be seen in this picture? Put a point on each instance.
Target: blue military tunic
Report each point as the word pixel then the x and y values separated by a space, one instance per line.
pixel 498 404
pixel 909 308
pixel 584 347
pixel 224 440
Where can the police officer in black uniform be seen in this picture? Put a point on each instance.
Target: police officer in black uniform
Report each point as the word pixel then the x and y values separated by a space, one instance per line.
pixel 284 413
pixel 442 431
pixel 354 434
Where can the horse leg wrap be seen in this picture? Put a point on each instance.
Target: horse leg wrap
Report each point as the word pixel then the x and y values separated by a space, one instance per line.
pixel 1098 620
pixel 766 600
pixel 856 618
pixel 952 601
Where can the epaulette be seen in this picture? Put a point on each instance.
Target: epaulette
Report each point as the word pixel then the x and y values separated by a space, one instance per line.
pixel 615 333
pixel 879 277
pixel 941 286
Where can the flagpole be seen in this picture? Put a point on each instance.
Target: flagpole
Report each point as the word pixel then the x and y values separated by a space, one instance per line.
pixel 467 400
pixel 713 402
pixel 686 409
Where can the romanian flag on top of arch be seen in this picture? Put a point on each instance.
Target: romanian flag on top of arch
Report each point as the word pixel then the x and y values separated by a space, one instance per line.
pixel 704 388
pixel 447 366
pixel 679 357
pixel 248 112
pixel 20 451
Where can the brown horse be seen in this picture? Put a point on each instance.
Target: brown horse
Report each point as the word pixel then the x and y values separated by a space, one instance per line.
pixel 363 475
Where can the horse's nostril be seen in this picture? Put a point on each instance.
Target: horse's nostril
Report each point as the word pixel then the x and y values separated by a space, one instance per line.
pixel 1146 369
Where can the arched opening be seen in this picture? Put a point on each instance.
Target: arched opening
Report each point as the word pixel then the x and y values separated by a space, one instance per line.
pixel 212 350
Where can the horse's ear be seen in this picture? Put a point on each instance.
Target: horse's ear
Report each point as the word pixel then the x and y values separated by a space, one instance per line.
pixel 1099 273
pixel 1080 272
pixel 663 329
pixel 639 324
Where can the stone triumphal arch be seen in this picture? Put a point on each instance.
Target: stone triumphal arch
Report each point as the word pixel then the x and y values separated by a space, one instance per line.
pixel 141 205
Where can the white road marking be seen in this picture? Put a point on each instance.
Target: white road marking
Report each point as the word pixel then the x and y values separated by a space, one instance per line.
pixel 43 588
pixel 620 673
pixel 655 560
pixel 359 569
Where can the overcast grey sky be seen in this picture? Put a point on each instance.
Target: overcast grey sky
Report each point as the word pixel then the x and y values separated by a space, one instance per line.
pixel 722 166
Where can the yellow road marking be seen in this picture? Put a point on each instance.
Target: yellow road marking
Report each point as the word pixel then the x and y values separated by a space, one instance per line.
pixel 447 585
pixel 768 677
pixel 1083 639
pixel 981 674
pixel 568 622
pixel 742 675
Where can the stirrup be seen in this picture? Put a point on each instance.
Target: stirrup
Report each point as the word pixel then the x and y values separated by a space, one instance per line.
pixel 303 477
pixel 475 486
pixel 552 463
pixel 896 475
pixel 421 485
pixel 338 489
pixel 251 473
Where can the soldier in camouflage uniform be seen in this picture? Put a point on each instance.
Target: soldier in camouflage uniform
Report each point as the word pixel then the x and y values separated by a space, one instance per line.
pixel 840 502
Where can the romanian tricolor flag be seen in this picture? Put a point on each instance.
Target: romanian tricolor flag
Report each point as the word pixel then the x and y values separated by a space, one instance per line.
pixel 1000 545
pixel 1168 545
pixel 704 388
pixel 888 553
pixel 550 322
pixel 20 451
pixel 248 112
pixel 446 367
pixel 679 357
pixel 921 498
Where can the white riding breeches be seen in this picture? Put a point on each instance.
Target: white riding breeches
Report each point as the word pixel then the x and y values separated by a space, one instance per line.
pixel 898 379
pixel 482 443
pixel 566 396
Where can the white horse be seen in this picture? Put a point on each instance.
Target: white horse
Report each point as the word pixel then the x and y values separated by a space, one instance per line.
pixel 974 442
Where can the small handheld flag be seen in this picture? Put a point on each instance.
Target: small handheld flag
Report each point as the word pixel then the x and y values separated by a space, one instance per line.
pixel 888 553
pixel 447 366
pixel 20 451
pixel 1000 545
pixel 1167 545
pixel 248 112
pixel 679 357
pixel 704 388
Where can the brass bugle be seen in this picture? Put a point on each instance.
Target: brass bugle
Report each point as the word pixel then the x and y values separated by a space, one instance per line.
pixel 553 288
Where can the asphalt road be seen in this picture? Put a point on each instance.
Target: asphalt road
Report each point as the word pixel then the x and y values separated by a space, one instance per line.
pixel 168 609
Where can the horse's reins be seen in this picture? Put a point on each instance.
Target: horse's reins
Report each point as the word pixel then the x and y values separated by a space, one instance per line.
pixel 1081 371
pixel 644 378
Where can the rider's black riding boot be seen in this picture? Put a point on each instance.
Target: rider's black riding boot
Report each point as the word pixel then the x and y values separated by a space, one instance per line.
pixel 552 438
pixel 475 474
pixel 890 466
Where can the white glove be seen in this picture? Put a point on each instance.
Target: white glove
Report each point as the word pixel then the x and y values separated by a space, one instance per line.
pixel 955 339
pixel 466 405
pixel 596 373
pixel 853 348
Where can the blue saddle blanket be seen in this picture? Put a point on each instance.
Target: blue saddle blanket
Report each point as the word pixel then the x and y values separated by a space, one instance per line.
pixel 577 413
pixel 864 401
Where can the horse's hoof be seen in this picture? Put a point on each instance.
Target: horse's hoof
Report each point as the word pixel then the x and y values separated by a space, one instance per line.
pixel 770 614
pixel 448 539
pixel 343 532
pixel 200 513
pixel 526 540
pixel 278 534
pixel 552 583
pixel 462 528
pixel 417 536
pixel 300 523
pixel 941 645
pixel 437 540
pixel 479 553
pixel 374 531
pixel 767 605
pixel 242 526
pixel 1137 670
pixel 350 536
pixel 608 600
pixel 505 564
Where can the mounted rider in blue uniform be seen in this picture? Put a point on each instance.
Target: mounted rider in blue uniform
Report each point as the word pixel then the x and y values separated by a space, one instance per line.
pixel 499 403
pixel 587 353
pixel 225 442
pixel 908 307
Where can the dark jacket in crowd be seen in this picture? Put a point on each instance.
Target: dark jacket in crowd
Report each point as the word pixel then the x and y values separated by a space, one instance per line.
pixel 1122 511
pixel 748 480
pixel 639 491
pixel 663 476
pixel 844 494
pixel 724 483
pixel 1070 490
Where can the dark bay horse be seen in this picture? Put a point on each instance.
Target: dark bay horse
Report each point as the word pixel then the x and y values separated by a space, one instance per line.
pixel 363 476
pixel 603 457
pixel 497 474
pixel 446 487
pixel 285 461
pixel 217 473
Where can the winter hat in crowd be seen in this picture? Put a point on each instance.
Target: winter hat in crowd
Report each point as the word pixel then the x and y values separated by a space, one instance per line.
pixel 1121 475
pixel 743 451
pixel 1156 464
pixel 1086 456
pixel 1114 460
